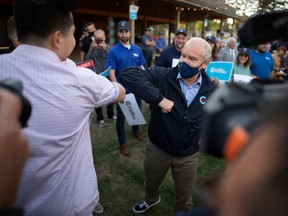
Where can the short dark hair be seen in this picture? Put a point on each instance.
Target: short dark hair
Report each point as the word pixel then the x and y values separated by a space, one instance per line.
pixel 39 18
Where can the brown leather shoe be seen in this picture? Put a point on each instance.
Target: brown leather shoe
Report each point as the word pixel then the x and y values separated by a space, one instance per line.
pixel 124 149
pixel 138 135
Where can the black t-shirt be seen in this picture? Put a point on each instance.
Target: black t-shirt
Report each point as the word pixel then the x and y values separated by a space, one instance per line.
pixel 86 44
pixel 167 56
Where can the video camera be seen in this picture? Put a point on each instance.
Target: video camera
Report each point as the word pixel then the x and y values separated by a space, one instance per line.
pixel 15 86
pixel 237 104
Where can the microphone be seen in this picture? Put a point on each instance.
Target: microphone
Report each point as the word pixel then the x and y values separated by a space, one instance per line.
pixel 263 28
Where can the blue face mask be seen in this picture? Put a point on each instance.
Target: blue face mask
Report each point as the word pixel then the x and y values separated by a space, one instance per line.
pixel 186 71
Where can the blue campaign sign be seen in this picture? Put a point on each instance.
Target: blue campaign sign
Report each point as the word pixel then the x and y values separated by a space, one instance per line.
pixel 133 15
pixel 221 70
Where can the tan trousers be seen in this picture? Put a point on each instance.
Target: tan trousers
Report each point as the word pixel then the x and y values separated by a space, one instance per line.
pixel 184 170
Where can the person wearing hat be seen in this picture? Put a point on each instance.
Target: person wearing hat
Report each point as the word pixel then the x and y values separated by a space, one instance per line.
pixel 173 52
pixel 160 43
pixel 147 43
pixel 242 63
pixel 124 54
pixel 213 43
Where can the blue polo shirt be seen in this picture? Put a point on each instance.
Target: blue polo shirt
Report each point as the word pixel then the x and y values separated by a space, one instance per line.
pixel 121 57
pixel 262 64
pixel 160 43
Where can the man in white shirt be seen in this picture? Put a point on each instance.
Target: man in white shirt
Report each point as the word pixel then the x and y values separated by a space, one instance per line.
pixel 230 52
pixel 59 178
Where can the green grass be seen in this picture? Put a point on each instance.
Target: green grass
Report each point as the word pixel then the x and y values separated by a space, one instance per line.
pixel 121 179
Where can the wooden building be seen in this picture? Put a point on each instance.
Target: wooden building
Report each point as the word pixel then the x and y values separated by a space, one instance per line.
pixel 151 12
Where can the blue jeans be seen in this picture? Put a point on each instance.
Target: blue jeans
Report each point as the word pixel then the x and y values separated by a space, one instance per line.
pixel 120 123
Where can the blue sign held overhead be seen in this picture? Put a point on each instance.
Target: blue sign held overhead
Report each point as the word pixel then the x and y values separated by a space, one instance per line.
pixel 220 70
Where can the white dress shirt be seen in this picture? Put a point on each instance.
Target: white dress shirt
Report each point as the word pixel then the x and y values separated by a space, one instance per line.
pixel 59 178
pixel 232 53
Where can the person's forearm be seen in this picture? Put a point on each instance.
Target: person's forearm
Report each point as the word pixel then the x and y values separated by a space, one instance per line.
pixel 112 76
pixel 82 56
pixel 14 148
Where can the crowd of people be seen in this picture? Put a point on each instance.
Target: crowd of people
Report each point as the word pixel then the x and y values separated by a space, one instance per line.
pixel 59 177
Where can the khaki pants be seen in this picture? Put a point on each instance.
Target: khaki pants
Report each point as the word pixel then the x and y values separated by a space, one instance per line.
pixel 184 170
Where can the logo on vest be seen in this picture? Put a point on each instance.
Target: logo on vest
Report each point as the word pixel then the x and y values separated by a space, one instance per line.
pixel 203 100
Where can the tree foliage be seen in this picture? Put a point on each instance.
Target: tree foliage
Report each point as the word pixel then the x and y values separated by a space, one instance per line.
pixel 251 7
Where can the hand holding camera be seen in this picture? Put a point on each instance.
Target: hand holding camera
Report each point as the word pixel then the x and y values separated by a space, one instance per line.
pixel 98 44
pixel 15 86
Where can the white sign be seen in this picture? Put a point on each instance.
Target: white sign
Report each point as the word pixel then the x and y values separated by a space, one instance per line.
pixel 242 78
pixel 175 62
pixel 133 10
pixel 205 22
pixel 131 111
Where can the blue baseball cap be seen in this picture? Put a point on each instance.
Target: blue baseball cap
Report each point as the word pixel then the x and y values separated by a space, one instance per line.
pixel 244 51
pixel 123 25
pixel 181 31
pixel 211 38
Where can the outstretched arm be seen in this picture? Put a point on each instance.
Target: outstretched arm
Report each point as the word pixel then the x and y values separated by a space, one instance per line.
pixel 14 149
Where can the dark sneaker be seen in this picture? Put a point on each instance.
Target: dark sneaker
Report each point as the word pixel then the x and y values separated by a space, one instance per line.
pixel 124 149
pixel 144 206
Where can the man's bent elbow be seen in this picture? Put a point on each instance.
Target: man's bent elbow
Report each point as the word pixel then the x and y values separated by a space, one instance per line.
pixel 122 93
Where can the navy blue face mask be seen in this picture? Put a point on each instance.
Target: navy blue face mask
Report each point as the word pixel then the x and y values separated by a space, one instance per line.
pixel 186 71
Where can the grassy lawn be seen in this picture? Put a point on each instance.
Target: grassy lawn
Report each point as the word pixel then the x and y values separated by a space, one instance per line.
pixel 121 179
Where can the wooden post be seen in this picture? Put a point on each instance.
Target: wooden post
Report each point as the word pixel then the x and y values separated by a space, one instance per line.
pixel 178 13
pixel 132 23
pixel 221 25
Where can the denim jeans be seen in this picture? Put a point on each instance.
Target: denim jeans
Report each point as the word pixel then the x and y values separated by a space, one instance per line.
pixel 120 123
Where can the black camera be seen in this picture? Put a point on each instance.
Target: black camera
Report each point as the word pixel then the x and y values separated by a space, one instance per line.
pixel 264 28
pixel 16 87
pixel 236 104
